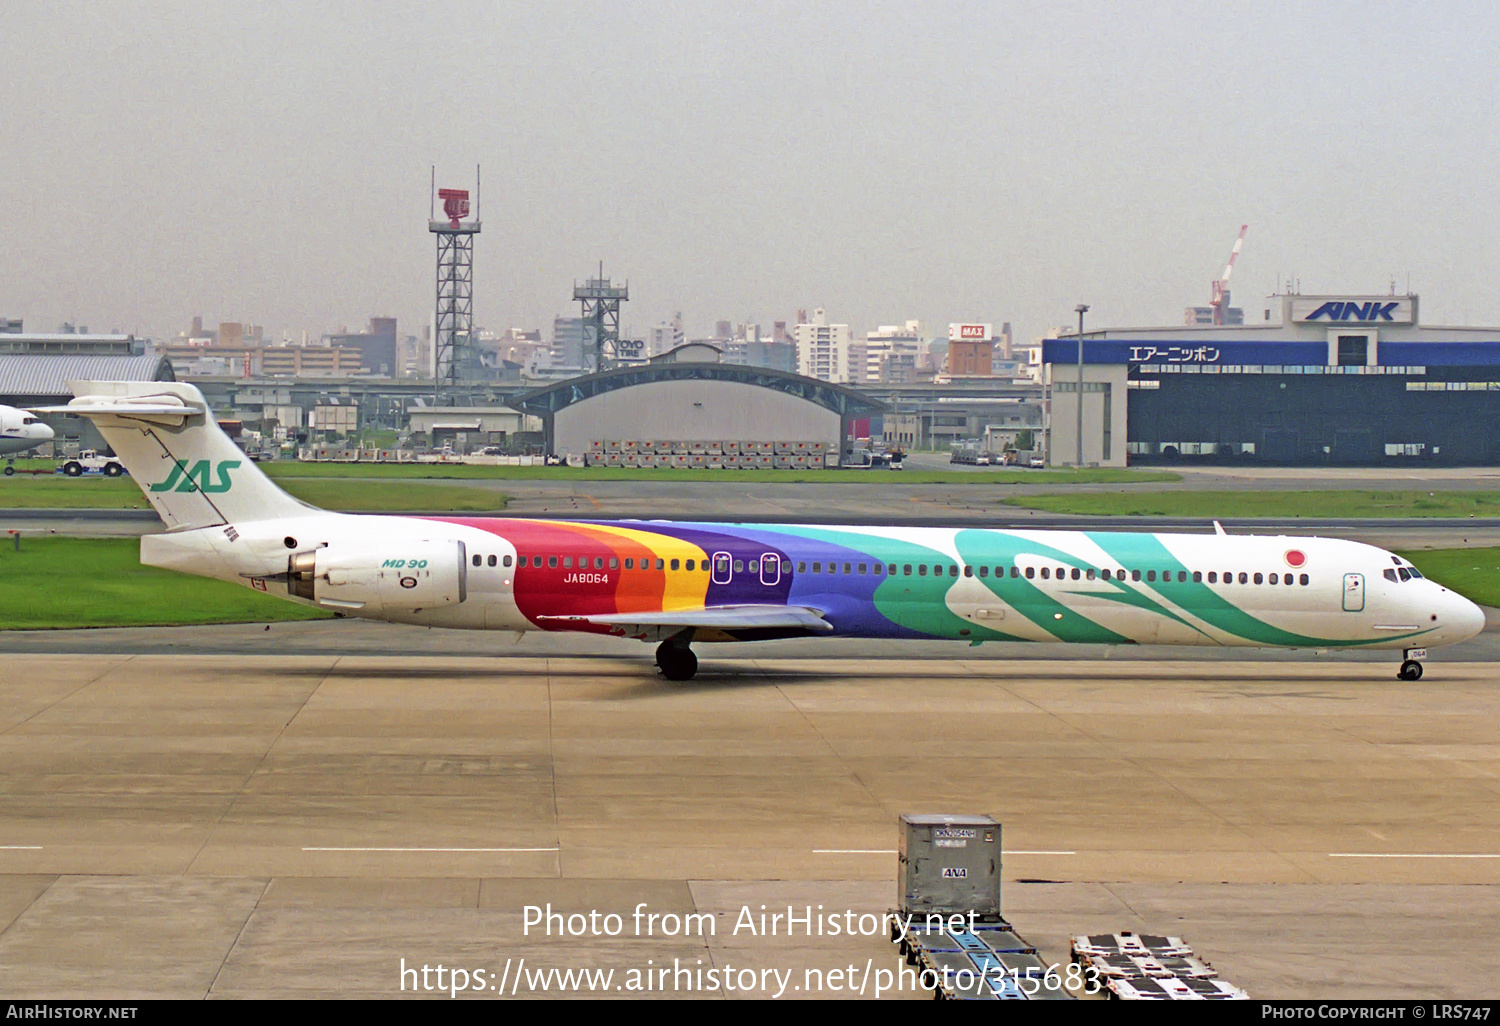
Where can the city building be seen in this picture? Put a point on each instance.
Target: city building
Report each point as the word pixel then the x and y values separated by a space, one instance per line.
pixel 822 348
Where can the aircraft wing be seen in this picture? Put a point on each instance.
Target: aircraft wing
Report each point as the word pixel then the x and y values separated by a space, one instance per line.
pixel 724 618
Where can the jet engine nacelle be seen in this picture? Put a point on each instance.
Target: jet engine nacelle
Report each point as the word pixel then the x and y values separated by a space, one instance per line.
pixel 387 576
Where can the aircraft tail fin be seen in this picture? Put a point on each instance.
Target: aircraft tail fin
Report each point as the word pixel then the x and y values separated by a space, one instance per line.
pixel 189 469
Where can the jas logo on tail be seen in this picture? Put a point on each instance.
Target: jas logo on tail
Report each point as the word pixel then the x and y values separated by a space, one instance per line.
pixel 198 478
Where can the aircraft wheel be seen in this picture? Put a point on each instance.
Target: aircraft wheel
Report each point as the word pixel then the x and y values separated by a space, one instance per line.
pixel 677 663
pixel 1410 670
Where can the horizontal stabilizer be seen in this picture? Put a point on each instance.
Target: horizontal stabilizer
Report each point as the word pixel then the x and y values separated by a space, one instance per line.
pixel 726 618
pixel 156 411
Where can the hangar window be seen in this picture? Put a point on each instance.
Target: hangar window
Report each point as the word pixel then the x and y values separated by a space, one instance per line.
pixel 1030 572
pixel 1302 580
pixel 551 562
pixel 1258 579
pixel 492 561
pixel 506 561
pixel 478 560
pixel 675 564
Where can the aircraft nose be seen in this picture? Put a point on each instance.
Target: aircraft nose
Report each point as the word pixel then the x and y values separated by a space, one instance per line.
pixel 1467 618
pixel 42 432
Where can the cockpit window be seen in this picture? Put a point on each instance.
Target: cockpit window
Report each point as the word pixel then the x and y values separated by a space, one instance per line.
pixel 1405 573
pixel 1390 575
pixel 1414 571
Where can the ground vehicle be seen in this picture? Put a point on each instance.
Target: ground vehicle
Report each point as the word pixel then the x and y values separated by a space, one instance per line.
pixel 1036 463
pixel 89 461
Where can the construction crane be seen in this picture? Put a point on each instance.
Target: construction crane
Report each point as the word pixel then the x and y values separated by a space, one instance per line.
pixel 1221 287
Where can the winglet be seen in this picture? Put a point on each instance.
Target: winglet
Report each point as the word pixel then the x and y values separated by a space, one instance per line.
pixel 1219 529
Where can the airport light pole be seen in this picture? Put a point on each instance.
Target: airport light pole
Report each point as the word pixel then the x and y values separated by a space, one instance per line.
pixel 1081 309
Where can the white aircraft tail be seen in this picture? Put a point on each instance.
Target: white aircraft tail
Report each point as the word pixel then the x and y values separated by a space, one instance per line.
pixel 189 469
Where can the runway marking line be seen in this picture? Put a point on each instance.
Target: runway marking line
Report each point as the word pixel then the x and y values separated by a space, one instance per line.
pixel 491 850
pixel 1409 855
pixel 20 847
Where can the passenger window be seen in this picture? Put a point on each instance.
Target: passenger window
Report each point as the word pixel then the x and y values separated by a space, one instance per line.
pixel 1302 580
pixel 739 564
pixel 1197 576
pixel 1089 574
pixel 952 569
pixel 817 568
pixel 921 569
pixel 1286 579
pixel 567 562
pixel 863 567
pixel 661 564
pixel 968 570
pixel 506 561
pixel 1257 579
pixel 755 566
pixel 1030 572
pixel 614 562
pixel 480 559
pixel 1273 579
pixel 1135 575
pixel 1014 571
pixel 1150 575
pixel 786 566
pixel 1046 573
pixel 692 564
pixel 848 568
pixel 551 562
pixel 629 562
pixel 1105 573
pixel 1213 577
pixel 1076 574
pixel 878 567
pixel 802 568
pixel 598 562
pixel 492 561
pixel 676 564
pixel 1244 577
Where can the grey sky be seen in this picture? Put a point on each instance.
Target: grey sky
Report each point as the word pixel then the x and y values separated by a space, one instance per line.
pixel 269 162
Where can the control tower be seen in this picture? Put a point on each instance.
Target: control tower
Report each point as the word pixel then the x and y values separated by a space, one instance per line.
pixel 453 319
pixel 601 301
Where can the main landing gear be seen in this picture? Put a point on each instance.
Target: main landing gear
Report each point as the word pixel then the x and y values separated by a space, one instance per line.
pixel 1410 668
pixel 676 660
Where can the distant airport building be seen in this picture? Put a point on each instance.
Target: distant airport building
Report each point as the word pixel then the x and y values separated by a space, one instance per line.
pixel 1353 380
pixel 689 397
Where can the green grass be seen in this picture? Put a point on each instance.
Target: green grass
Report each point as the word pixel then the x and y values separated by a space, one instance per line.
pixel 26 492
pixel 1268 503
pixel 284 469
pixel 99 582
pixel 1473 573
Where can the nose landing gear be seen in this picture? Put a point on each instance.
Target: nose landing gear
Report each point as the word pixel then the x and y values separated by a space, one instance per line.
pixel 1410 668
pixel 676 660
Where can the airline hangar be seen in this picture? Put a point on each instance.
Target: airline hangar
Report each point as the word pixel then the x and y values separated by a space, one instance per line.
pixel 1354 380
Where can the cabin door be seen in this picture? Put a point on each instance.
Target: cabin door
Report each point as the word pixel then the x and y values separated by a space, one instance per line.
pixel 722 568
pixel 1354 593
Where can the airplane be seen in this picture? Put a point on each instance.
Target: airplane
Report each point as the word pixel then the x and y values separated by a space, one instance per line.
pixel 21 430
pixel 678 583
